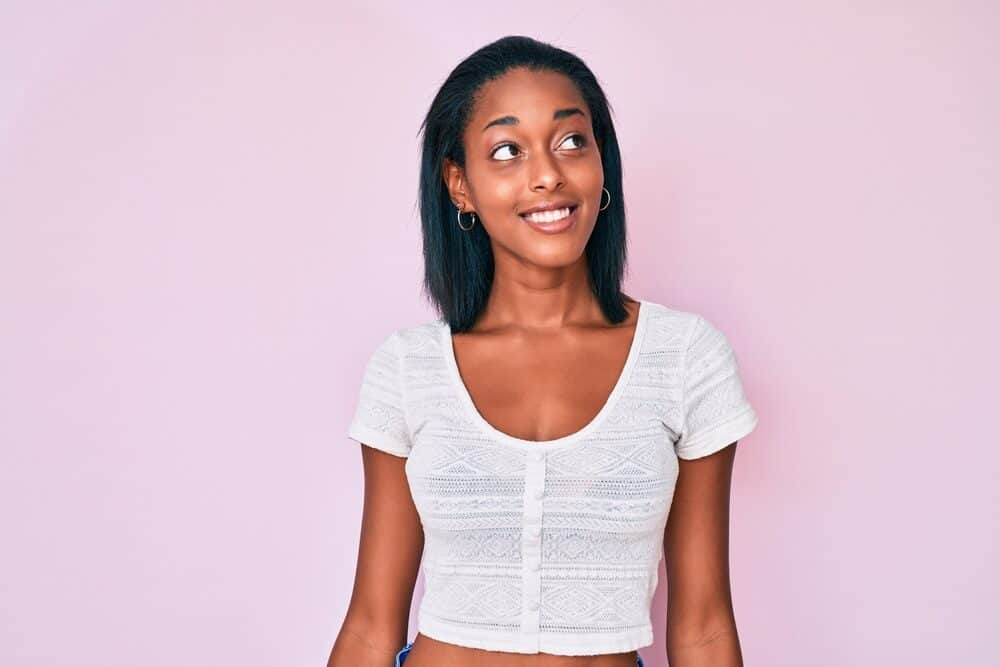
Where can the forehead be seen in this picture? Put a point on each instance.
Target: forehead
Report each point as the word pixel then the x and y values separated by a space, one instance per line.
pixel 529 95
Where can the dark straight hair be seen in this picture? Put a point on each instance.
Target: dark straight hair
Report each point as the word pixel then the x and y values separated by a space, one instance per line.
pixel 458 265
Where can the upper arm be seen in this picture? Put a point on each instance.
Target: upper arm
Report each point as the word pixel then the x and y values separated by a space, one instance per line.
pixel 389 552
pixel 379 419
pixel 392 537
pixel 716 415
pixel 715 409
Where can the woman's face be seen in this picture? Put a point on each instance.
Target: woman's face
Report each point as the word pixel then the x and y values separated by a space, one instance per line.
pixel 529 143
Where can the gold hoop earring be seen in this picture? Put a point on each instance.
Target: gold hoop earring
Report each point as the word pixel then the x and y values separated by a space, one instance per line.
pixel 465 229
pixel 609 199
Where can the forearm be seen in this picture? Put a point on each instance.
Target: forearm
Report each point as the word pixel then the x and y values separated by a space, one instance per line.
pixel 719 647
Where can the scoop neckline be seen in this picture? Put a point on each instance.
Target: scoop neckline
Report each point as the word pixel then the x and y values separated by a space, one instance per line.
pixel 455 377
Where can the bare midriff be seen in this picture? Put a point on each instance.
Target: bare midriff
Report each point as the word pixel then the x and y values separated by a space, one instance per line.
pixel 429 652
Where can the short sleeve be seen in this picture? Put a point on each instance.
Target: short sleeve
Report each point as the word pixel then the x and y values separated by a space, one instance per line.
pixel 379 419
pixel 716 411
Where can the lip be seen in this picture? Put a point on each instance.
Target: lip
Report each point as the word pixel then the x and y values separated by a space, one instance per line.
pixel 551 205
pixel 557 226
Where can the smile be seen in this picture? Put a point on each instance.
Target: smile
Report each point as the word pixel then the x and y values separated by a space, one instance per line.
pixel 548 216
pixel 551 221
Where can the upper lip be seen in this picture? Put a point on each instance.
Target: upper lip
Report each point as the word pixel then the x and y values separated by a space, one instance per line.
pixel 554 205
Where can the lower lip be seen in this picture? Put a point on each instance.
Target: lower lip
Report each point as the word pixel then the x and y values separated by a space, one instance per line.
pixel 556 226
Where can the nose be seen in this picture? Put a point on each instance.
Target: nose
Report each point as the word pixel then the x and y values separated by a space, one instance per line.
pixel 545 173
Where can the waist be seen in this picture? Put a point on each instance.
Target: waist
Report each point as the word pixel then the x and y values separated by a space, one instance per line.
pixel 427 651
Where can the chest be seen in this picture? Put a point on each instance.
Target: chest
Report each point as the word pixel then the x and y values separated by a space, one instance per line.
pixel 542 388
pixel 581 419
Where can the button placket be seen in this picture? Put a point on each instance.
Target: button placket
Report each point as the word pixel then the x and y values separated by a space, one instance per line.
pixel 531 550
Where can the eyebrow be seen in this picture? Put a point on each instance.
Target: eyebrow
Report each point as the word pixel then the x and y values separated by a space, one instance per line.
pixel 512 120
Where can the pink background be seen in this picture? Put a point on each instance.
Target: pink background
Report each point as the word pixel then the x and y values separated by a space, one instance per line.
pixel 208 220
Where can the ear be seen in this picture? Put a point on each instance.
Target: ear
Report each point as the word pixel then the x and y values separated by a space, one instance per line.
pixel 454 180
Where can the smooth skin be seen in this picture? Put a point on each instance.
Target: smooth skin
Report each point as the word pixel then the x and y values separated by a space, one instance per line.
pixel 539 364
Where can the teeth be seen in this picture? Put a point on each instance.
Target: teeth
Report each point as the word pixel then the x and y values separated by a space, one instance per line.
pixel 548 216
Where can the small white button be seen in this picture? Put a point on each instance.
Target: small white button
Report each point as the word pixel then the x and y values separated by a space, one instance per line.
pixel 535 531
pixel 533 604
pixel 538 455
pixel 538 493
pixel 534 564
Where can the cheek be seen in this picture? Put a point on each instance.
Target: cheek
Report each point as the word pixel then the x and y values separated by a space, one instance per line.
pixel 591 172
pixel 582 172
pixel 500 193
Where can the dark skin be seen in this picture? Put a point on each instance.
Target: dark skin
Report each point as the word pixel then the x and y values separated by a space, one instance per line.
pixel 539 363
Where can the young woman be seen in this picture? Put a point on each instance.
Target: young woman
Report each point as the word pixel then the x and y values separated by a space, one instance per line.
pixel 546 441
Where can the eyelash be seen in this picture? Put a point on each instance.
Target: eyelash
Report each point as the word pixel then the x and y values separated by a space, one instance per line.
pixel 583 142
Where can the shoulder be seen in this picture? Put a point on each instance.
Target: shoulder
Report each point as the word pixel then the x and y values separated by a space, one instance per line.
pixel 413 339
pixel 394 356
pixel 668 326
pixel 677 330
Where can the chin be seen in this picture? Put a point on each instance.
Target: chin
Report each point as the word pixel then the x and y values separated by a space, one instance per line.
pixel 554 258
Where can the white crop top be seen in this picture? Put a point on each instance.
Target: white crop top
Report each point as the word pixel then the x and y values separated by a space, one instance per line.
pixel 549 546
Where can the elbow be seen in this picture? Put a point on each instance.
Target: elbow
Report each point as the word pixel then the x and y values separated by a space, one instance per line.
pixel 382 630
pixel 363 635
pixel 701 625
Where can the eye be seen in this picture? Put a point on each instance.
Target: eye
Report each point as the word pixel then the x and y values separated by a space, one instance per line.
pixel 496 154
pixel 499 148
pixel 579 137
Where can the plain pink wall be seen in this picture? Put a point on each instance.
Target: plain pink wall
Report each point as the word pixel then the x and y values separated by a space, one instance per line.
pixel 208 220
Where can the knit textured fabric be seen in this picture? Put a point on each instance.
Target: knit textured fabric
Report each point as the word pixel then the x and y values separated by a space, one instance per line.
pixel 550 546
